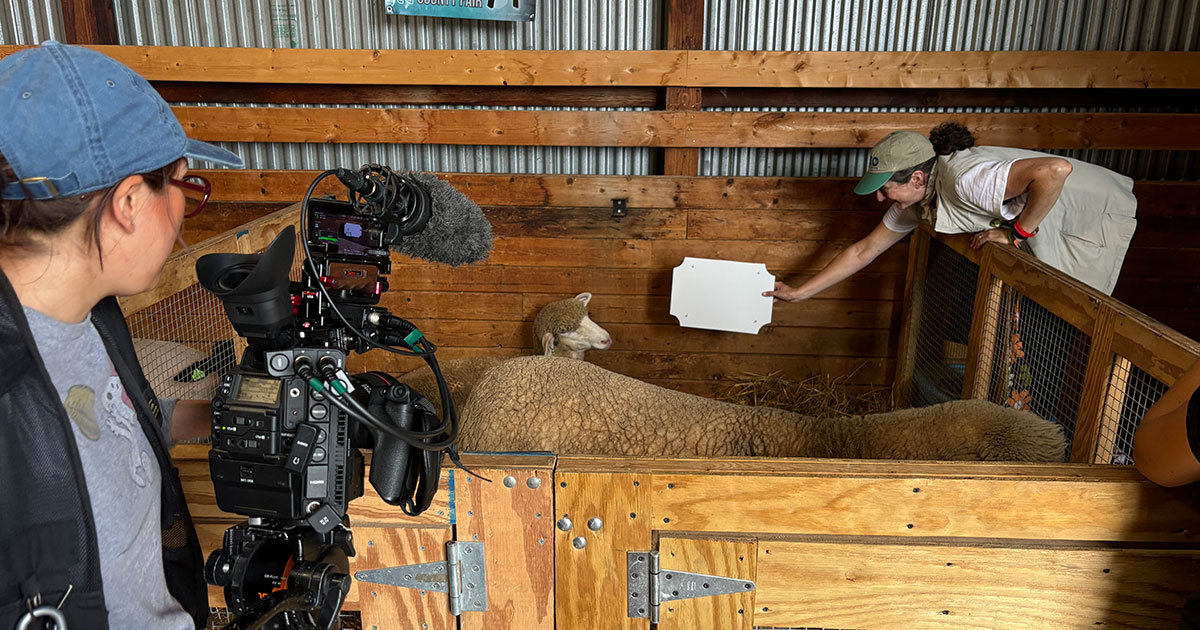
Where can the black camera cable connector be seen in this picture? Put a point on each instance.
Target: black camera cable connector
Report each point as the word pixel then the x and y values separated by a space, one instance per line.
pixel 336 392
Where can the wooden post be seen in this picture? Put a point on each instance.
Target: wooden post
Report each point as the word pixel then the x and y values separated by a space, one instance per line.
pixel 1096 382
pixel 914 293
pixel 590 562
pixel 516 524
pixel 1112 406
pixel 89 22
pixel 685 31
pixel 985 326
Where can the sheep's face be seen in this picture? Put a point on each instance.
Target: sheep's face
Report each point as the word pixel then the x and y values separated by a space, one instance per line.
pixel 565 328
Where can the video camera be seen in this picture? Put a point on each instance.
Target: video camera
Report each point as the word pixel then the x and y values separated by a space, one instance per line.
pixel 288 421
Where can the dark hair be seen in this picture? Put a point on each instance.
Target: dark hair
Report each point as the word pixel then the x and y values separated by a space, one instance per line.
pixel 20 218
pixel 902 176
pixel 949 137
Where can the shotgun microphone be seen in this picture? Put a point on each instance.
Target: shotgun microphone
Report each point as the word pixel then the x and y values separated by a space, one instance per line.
pixel 427 217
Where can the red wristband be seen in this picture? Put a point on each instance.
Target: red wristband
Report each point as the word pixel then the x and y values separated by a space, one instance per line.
pixel 1021 231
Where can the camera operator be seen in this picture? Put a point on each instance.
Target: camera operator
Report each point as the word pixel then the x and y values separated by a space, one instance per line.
pixel 93 172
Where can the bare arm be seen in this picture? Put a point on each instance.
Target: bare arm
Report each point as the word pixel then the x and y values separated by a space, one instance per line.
pixel 191 419
pixel 844 265
pixel 1160 446
pixel 1043 179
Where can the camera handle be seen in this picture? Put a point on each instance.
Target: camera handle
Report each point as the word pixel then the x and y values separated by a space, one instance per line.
pixel 390 456
pixel 401 474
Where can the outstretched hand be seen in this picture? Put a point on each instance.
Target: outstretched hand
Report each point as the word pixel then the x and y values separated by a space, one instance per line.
pixel 784 293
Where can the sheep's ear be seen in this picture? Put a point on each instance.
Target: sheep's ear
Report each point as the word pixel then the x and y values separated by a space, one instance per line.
pixel 584 297
pixel 547 344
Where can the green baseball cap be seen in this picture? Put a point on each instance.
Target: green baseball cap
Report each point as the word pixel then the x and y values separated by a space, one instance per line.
pixel 897 151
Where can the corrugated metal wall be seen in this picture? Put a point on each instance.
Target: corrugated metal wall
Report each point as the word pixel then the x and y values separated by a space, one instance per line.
pixel 853 25
pixel 363 24
pixel 30 21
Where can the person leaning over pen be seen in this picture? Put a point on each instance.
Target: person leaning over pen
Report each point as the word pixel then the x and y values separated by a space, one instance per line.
pixel 1075 216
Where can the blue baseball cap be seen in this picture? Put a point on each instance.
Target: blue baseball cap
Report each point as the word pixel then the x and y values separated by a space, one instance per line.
pixel 75 121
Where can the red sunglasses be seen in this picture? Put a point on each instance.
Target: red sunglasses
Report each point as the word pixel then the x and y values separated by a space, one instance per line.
pixel 196 190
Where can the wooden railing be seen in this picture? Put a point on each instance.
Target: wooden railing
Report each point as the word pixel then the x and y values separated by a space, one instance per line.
pixel 1120 336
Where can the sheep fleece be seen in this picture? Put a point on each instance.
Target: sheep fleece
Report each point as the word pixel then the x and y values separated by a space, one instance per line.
pixel 572 407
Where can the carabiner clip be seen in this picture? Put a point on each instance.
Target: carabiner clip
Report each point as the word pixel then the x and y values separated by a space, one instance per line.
pixel 58 621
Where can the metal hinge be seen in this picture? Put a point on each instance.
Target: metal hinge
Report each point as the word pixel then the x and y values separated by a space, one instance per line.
pixel 649 585
pixel 463 576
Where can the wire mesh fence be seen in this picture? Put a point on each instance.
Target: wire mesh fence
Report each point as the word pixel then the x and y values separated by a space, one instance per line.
pixel 1029 357
pixel 185 342
pixel 1131 393
pixel 940 349
pixel 1038 361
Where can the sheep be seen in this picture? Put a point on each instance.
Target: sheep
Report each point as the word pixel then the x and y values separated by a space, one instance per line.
pixel 573 407
pixel 562 328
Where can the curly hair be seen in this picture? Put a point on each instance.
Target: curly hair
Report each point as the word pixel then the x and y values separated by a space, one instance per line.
pixel 949 137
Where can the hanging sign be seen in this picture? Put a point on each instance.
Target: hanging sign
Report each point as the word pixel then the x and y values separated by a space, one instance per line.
pixel 503 10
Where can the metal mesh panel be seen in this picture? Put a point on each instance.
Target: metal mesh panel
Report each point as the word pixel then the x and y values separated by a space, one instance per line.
pixel 184 343
pixel 1038 360
pixel 1131 393
pixel 942 334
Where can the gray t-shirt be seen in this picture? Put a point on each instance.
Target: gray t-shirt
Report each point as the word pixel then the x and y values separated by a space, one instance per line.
pixel 122 474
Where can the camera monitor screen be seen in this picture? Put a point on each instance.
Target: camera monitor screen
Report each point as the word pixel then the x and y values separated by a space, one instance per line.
pixel 349 233
pixel 263 391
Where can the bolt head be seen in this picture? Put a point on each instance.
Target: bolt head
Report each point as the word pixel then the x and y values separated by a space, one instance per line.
pixel 565 524
pixel 580 542
pixel 533 482
pixel 595 524
pixel 510 481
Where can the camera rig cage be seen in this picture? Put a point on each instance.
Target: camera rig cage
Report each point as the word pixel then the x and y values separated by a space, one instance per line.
pixel 288 421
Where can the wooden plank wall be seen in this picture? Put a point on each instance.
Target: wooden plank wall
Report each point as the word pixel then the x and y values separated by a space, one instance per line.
pixel 555 236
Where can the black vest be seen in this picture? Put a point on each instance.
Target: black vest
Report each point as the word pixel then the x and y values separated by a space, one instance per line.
pixel 47 532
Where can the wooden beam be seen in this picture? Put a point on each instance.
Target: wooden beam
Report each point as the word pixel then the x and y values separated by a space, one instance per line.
pixel 89 22
pixel 1068 298
pixel 1113 409
pixel 727 556
pixel 654 68
pixel 964 69
pixel 685 30
pixel 517 526
pixel 1162 352
pixel 664 68
pixel 888 585
pixel 910 322
pixel 1021 507
pixel 677 129
pixel 1097 382
pixel 1141 98
pixel 594 191
pixel 475 96
pixel 985 328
